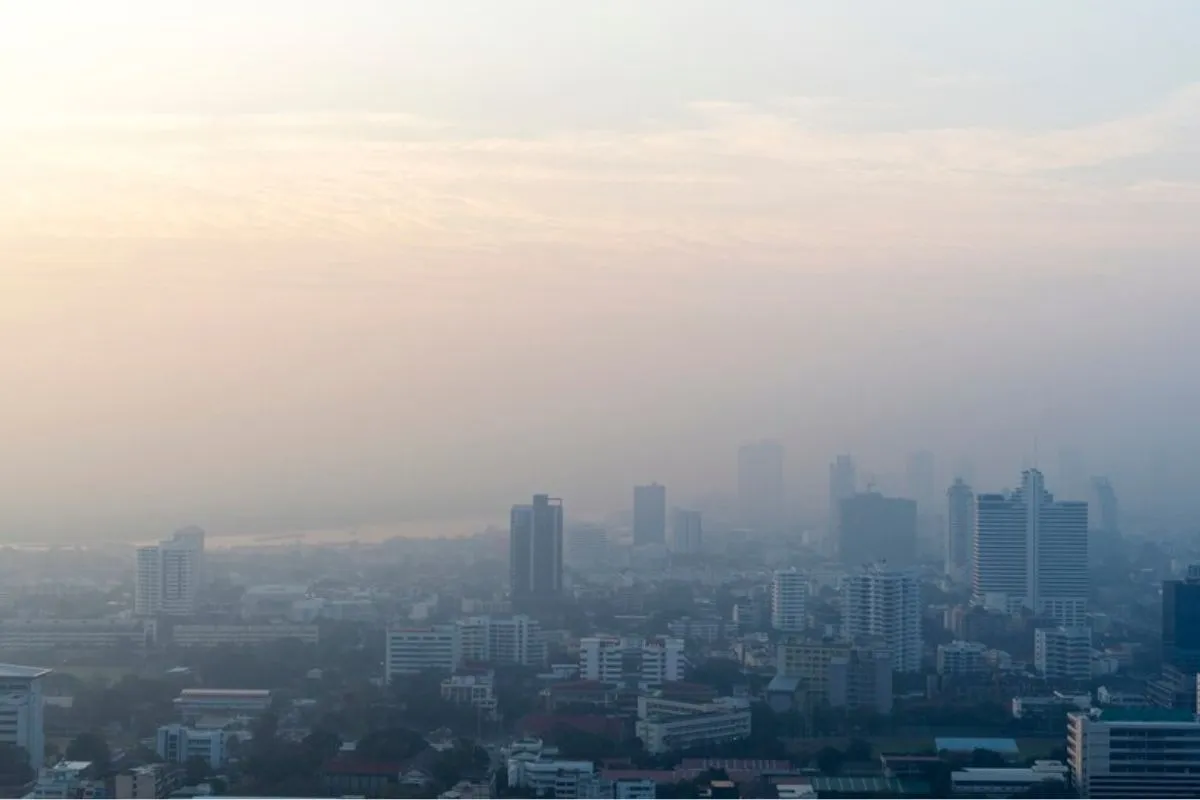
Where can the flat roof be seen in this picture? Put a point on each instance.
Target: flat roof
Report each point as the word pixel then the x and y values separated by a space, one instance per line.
pixel 1147 714
pixel 200 693
pixel 969 744
pixel 18 671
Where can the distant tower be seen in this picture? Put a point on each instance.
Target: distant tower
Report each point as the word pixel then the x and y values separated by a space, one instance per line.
pixel 649 514
pixel 843 484
pixel 536 553
pixel 877 528
pixel 960 530
pixel 760 484
pixel 789 591
pixel 170 575
pixel 687 532
pixel 1106 506
pixel 1031 552
pixel 921 481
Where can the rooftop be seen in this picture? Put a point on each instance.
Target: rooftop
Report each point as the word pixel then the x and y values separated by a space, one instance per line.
pixel 17 671
pixel 969 744
pixel 1146 714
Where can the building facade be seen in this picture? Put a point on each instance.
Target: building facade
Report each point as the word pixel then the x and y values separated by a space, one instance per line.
pixel 962 658
pixel 874 528
pixel 884 604
pixel 687 532
pixel 1063 653
pixel 650 514
pixel 1118 753
pixel 536 553
pixel 631 661
pixel 789 595
pixel 960 530
pixel 1181 621
pixel 21 710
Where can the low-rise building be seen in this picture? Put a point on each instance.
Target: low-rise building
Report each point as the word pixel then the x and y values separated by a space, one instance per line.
pixel 195 703
pixel 68 779
pixel 477 691
pixel 1007 781
pixel 241 635
pixel 179 743
pixel 147 782
pixel 861 679
pixel 74 634
pixel 665 725
pixel 1134 752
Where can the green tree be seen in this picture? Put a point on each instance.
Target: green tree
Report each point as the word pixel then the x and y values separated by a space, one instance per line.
pixel 90 746
pixel 829 760
pixel 14 765
pixel 196 769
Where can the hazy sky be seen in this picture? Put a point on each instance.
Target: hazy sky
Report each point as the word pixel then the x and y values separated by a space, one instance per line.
pixel 317 261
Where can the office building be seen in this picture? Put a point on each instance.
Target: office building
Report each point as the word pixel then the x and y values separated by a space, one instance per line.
pixel 21 710
pixel 631 661
pixel 437 648
pixel 170 575
pixel 843 484
pixel 883 604
pixel 148 782
pixel 861 679
pixel 687 532
pixel 1181 621
pixel 960 530
pixel 1134 752
pixel 650 514
pixel 586 545
pixel 1063 654
pixel 179 743
pixel 874 528
pixel 241 635
pixel 195 704
pixel 515 639
pixel 68 779
pixel 1031 552
pixel 477 691
pixel 761 496
pixel 922 482
pixel 789 591
pixel 962 658
pixel 675 725
pixel 808 660
pixel 1107 510
pixel 1043 779
pixel 536 554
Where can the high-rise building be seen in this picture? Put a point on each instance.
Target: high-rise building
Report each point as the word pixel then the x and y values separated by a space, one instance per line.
pixel 21 705
pixel 877 528
pixel 169 575
pixel 586 545
pixel 843 484
pixel 885 604
pixel 650 514
pixel 687 532
pixel 1107 510
pixel 760 484
pixel 1063 653
pixel 1031 552
pixel 535 552
pixel 921 481
pixel 413 650
pixel 789 592
pixel 1181 621
pixel 1134 752
pixel 960 530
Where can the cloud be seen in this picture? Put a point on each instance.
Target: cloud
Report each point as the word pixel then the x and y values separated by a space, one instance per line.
pixel 731 177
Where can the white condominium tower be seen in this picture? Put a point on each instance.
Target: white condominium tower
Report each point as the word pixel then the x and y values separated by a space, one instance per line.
pixel 878 603
pixel 789 589
pixel 169 575
pixel 1031 552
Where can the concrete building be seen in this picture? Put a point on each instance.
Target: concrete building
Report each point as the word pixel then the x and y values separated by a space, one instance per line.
pixel 178 743
pixel 587 546
pixel 761 496
pixel 74 634
pixel 536 554
pixel 412 650
pixel 861 679
pixel 631 661
pixel 789 595
pixel 1031 552
pixel 963 658
pixel 1063 653
pixel 1134 752
pixel 960 530
pixel 148 782
pixel 241 635
pixel 169 575
pixel 21 710
pixel 650 514
pixel 1010 781
pixel 809 660
pixel 68 779
pixel 193 704
pixel 477 691
pixel 874 528
pixel 664 726
pixel 687 532
pixel 878 603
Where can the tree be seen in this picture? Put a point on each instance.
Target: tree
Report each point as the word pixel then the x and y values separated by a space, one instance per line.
pixel 90 746
pixel 981 757
pixel 858 750
pixel 196 769
pixel 14 765
pixel 390 745
pixel 829 760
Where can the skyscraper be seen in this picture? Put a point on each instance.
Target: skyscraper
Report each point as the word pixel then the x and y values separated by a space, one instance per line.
pixel 921 481
pixel 960 530
pixel 1181 621
pixel 535 553
pixel 760 484
pixel 687 532
pixel 876 528
pixel 650 514
pixel 1031 551
pixel 1106 506
pixel 882 603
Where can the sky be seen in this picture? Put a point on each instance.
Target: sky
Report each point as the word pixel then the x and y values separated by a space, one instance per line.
pixel 281 264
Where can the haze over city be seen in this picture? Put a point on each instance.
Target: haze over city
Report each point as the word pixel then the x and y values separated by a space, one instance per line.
pixel 274 266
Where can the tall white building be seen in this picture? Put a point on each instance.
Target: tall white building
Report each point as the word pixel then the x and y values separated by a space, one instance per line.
pixel 1063 653
pixel 501 640
pixel 878 603
pixel 687 531
pixel 1134 752
pixel 170 575
pixel 789 591
pixel 631 661
pixel 960 530
pixel 1031 551
pixel 21 710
